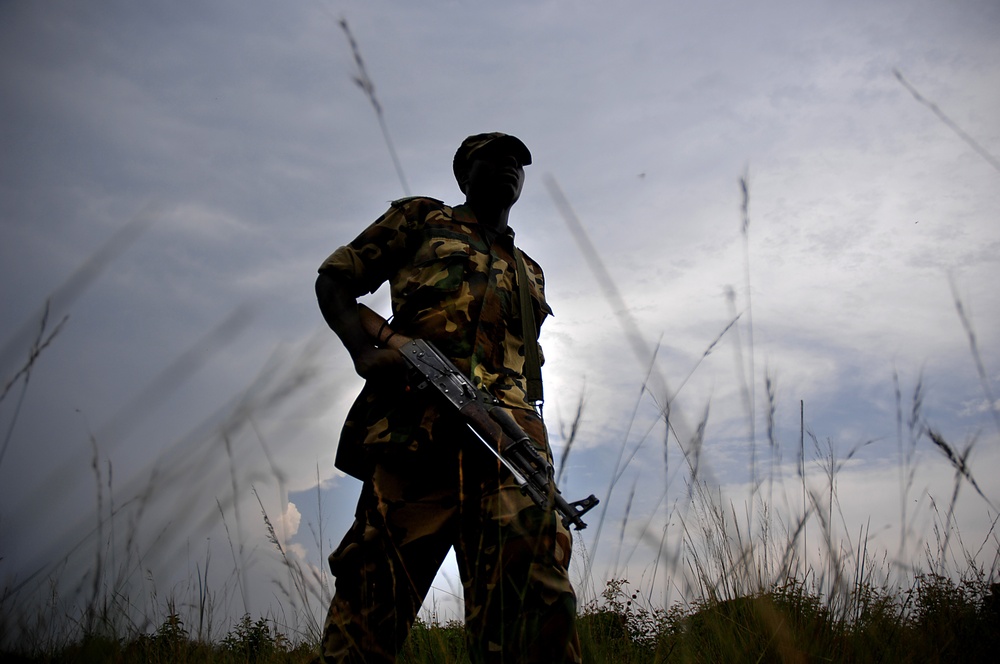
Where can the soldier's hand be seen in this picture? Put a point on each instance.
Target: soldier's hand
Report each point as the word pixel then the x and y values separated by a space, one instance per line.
pixel 380 364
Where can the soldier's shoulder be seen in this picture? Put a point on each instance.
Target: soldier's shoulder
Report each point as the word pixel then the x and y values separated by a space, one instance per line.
pixel 529 260
pixel 418 201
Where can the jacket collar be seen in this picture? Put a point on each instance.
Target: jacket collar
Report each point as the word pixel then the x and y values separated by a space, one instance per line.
pixel 464 214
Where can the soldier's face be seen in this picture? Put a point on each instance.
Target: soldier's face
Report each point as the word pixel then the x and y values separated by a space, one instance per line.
pixel 495 178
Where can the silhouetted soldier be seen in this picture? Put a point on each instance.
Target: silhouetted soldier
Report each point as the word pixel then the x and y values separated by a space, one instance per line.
pixel 452 273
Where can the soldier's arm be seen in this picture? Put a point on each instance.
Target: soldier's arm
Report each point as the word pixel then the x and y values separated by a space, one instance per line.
pixel 361 267
pixel 340 310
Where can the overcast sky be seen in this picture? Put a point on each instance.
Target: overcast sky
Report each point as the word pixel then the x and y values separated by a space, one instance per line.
pixel 172 173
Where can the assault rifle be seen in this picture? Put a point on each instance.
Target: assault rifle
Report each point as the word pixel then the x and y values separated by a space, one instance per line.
pixel 485 417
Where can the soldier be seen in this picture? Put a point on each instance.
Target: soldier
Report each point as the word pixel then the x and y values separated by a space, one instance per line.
pixel 453 281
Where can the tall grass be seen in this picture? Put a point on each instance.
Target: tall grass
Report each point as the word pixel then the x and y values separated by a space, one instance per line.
pixel 99 596
pixel 754 578
pixel 749 588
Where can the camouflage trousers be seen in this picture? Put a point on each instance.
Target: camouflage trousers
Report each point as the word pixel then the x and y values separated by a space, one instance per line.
pixel 512 558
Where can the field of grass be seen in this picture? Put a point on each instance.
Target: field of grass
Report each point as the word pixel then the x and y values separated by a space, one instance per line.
pixel 936 619
pixel 751 596
pixel 750 587
pixel 748 591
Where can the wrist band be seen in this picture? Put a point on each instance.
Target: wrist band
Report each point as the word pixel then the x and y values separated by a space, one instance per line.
pixel 384 342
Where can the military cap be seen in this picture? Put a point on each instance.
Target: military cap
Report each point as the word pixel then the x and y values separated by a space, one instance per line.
pixel 496 141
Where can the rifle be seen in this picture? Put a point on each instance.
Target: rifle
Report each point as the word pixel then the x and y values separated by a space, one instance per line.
pixel 484 415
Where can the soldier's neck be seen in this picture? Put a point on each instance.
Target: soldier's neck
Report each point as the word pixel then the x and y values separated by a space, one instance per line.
pixel 493 218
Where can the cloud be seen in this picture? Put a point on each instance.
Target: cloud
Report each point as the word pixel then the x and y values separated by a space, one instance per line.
pixel 978 407
pixel 287 525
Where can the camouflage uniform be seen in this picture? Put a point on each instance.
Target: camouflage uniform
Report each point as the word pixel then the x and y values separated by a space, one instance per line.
pixel 427 485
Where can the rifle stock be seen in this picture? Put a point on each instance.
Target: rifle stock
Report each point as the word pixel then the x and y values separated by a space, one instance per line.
pixel 484 415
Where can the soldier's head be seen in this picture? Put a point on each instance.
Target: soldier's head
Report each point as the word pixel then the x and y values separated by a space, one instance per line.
pixel 489 168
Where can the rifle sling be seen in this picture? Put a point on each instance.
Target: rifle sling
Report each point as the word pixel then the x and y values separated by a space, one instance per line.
pixel 532 362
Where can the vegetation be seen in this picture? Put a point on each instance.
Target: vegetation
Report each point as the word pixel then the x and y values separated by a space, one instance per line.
pixel 752 590
pixel 937 619
pixel 250 642
pixel 750 597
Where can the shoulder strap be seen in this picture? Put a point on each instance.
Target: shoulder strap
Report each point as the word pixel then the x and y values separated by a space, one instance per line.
pixel 399 202
pixel 532 363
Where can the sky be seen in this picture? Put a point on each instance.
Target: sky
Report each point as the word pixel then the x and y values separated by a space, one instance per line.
pixel 172 173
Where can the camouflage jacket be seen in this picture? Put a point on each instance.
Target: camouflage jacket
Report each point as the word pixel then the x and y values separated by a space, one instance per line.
pixel 449 284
